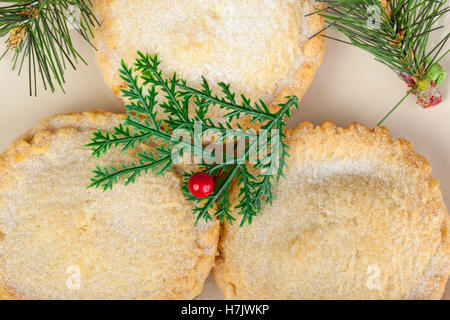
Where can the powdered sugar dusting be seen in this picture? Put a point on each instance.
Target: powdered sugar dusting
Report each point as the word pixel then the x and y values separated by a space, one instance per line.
pixel 332 223
pixel 255 45
pixel 136 241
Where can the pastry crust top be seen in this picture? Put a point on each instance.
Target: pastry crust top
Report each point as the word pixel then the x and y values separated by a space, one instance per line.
pixel 263 51
pixel 358 217
pixel 134 242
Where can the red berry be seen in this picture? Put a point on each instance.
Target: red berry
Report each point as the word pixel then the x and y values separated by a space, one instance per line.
pixel 201 185
pixel 408 79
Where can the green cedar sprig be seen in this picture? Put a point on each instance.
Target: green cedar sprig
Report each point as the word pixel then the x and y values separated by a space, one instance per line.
pixel 150 95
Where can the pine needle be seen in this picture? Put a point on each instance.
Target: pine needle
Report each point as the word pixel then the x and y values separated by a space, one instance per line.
pixel 38 33
pixel 396 33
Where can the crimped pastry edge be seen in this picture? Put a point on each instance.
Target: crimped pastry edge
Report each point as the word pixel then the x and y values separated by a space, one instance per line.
pixel 25 146
pixel 431 285
pixel 313 51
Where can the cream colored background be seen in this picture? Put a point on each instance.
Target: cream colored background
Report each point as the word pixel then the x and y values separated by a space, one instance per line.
pixel 350 86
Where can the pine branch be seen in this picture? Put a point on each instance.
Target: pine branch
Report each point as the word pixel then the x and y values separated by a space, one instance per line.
pixel 39 35
pixel 397 34
pixel 142 126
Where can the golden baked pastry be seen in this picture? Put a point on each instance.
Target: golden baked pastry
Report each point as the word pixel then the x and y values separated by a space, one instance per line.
pixel 358 217
pixel 60 240
pixel 262 50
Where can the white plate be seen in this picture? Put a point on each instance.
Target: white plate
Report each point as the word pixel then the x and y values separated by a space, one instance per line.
pixel 350 86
